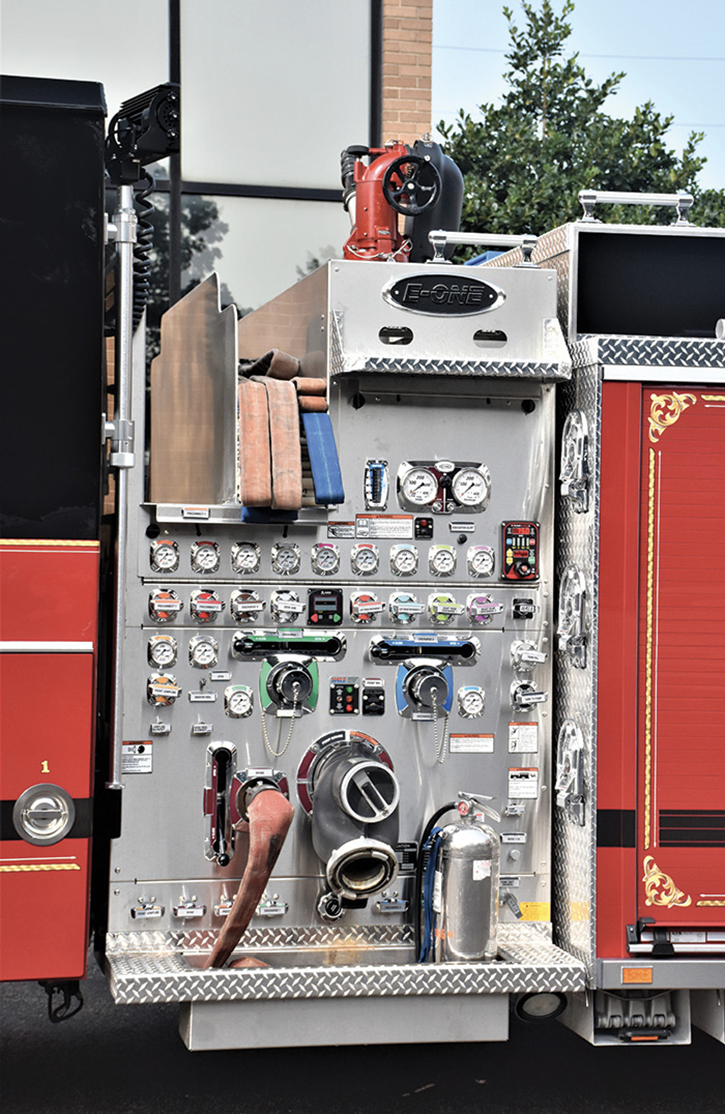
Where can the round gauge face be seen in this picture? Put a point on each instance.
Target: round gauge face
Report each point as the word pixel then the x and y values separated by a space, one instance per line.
pixel 203 652
pixel 205 557
pixel 162 651
pixel 403 560
pixel 364 559
pixel 245 557
pixel 481 560
pixel 238 701
pixel 471 701
pixel 420 486
pixel 164 556
pixel 285 558
pixel 470 487
pixel 325 559
pixel 442 560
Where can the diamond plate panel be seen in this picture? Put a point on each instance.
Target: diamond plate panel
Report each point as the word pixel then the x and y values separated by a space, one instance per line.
pixel 276 936
pixel 529 963
pixel 660 352
pixel 484 368
pixel 575 845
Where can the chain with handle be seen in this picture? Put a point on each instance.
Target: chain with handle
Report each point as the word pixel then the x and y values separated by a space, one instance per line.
pixel 270 749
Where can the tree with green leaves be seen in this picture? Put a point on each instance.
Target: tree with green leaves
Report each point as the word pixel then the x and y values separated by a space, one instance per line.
pixel 525 160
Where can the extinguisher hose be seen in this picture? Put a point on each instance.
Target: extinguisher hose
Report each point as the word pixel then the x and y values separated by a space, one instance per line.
pixel 270 815
pixel 419 871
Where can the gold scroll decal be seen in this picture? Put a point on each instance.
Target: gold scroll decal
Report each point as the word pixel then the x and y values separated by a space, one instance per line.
pixel 664 412
pixel 659 887
pixel 26 868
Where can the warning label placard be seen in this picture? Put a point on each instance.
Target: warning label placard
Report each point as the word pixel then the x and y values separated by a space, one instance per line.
pixel 523 783
pixel 523 738
pixel 384 526
pixel 137 758
pixel 471 744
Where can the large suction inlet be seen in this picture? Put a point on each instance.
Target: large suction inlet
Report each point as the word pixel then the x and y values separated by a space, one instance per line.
pixel 354 796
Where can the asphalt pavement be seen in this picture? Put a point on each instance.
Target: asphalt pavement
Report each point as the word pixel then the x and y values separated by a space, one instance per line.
pixel 130 1060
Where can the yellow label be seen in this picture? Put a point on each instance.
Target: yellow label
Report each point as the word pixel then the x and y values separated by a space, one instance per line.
pixel 636 975
pixel 535 910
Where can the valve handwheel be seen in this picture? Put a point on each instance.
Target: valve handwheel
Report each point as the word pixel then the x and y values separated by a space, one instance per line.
pixel 411 185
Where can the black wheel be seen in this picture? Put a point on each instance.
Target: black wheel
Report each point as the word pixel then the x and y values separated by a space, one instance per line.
pixel 411 185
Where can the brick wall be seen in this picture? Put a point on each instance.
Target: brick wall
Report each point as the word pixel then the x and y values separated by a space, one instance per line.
pixel 407 49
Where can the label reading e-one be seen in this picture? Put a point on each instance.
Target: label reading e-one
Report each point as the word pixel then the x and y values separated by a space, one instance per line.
pixel 137 758
pixel 523 783
pixel 523 738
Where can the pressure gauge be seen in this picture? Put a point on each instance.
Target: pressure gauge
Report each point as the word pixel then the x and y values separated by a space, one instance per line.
pixel 286 606
pixel 245 606
pixel 403 560
pixel 246 557
pixel 471 487
pixel 164 605
pixel 205 557
pixel 325 559
pixel 285 558
pixel 442 560
pixel 364 559
pixel 442 608
pixel 419 487
pixel 206 606
pixel 471 701
pixel 162 689
pixel 238 701
pixel 404 607
pixel 480 560
pixel 164 556
pixel 162 650
pixel 203 651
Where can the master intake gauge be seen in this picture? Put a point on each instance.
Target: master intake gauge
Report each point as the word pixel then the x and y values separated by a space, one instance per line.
pixel 162 651
pixel 480 560
pixel 205 557
pixel 246 557
pixel 471 487
pixel 206 606
pixel 285 558
pixel 286 606
pixel 471 701
pixel 245 605
pixel 325 558
pixel 162 689
pixel 164 556
pixel 364 559
pixel 164 605
pixel 442 560
pixel 203 651
pixel 403 560
pixel 419 486
pixel 238 701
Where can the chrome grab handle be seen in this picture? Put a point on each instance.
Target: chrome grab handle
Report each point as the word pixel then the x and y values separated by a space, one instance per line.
pixel 439 238
pixel 682 201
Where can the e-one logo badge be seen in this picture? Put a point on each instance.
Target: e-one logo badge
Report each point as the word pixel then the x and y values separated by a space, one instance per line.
pixel 443 295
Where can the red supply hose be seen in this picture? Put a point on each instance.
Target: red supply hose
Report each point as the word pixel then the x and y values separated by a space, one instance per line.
pixel 270 815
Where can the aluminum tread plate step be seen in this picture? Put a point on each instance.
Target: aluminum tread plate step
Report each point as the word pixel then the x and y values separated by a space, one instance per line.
pixel 529 962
